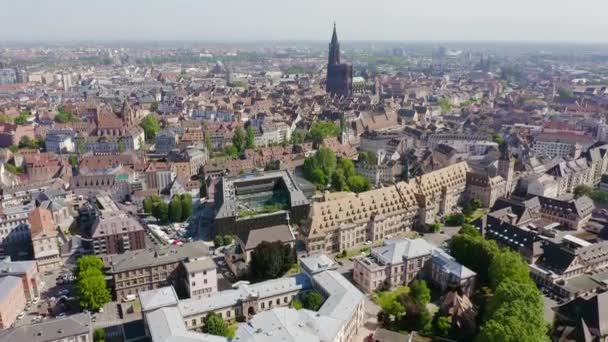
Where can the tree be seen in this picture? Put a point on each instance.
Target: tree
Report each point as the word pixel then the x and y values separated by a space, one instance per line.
pixel 231 151
pixel 99 335
pixel 347 166
pixel 175 210
pixel 218 241
pixel 21 119
pixel 161 212
pixel 154 106
pixel 565 93
pixel 455 220
pixel 91 290
pixel 327 161
pixel 270 260
pixel 238 140
pixel 151 126
pixel 121 146
pixel 445 105
pixel 186 204
pixel 467 209
pixel 420 292
pixel 321 130
pixel 583 190
pixel 215 325
pixel 297 304
pixel 368 158
pixel 508 265
pixel 88 262
pixel 358 183
pixel 297 138
pixel 469 229
pixel 64 117
pixel 208 142
pixel 5 118
pixel 318 178
pixel 27 142
pixel 313 300
pixel 338 181
pixel 250 138
pixel 443 325
pixel 73 160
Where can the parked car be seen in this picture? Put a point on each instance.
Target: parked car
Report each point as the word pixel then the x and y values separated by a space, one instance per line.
pixel 64 292
pixel 36 300
pixel 20 316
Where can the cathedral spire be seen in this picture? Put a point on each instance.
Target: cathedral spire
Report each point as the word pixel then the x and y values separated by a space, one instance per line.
pixel 334 48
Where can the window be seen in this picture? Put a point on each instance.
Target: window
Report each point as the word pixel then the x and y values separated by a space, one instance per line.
pixel 278 301
pixel 228 314
pixel 263 305
pixel 193 321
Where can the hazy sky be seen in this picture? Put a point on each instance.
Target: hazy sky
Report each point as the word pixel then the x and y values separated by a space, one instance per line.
pixel 536 20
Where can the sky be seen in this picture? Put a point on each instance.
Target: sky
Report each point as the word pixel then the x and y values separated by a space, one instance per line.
pixel 311 20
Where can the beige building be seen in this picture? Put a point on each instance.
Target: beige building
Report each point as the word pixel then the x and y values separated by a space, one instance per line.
pixel 45 240
pixel 399 262
pixel 347 220
pixel 485 188
pixel 148 269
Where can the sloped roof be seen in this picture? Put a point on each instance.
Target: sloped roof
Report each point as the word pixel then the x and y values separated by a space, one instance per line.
pixel 41 223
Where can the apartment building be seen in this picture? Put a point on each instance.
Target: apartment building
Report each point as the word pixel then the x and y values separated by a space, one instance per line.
pixel 73 328
pixel 201 277
pixel 27 271
pixel 12 300
pixel 15 230
pixel 115 232
pixel 148 269
pixel 399 262
pixel 45 240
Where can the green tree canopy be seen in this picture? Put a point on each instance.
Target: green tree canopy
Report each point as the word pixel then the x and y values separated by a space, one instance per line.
pixel 238 140
pixel 151 126
pixel 161 212
pixel 250 138
pixel 215 325
pixel 368 158
pixel 313 300
pixel 420 292
pixel 88 262
pixel 508 265
pixel 21 119
pixel 270 260
pixel 64 117
pixel 92 292
pixel 186 202
pixel 175 209
pixel 231 151
pixel 358 183
pixel 321 130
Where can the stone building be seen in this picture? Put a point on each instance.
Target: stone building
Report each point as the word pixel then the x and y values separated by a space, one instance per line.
pixel 46 240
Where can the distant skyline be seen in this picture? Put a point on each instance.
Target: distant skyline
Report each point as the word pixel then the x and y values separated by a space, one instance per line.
pixel 311 20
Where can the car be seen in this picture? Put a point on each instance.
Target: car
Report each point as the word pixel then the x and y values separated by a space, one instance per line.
pixel 64 292
pixel 36 300
pixel 61 315
pixel 367 243
pixel 100 310
pixel 20 316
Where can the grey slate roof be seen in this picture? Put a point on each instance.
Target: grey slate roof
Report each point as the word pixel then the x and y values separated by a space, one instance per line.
pixel 395 251
pixel 51 330
pixel 158 255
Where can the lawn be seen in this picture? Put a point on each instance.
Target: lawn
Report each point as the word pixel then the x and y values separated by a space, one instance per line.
pixel 295 269
pixel 353 253
pixel 477 214
pixel 384 298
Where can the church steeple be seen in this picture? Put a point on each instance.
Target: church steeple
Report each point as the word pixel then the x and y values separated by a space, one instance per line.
pixel 334 48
